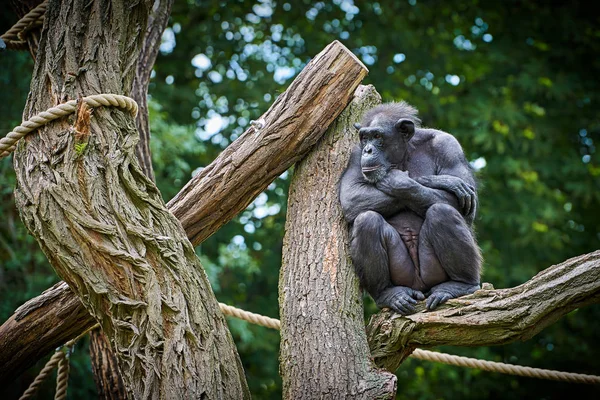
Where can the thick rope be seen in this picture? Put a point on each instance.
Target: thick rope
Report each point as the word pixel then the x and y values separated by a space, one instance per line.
pixel 14 36
pixel 449 359
pixel 256 319
pixel 8 143
pixel 493 366
pixel 35 385
pixel 62 378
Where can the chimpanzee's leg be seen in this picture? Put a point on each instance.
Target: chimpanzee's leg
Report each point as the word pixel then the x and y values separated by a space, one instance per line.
pixel 374 244
pixel 450 258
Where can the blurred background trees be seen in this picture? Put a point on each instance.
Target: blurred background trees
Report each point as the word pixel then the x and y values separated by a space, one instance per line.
pixel 515 81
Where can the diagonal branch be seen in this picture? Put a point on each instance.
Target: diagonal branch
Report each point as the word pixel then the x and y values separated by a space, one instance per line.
pixel 489 317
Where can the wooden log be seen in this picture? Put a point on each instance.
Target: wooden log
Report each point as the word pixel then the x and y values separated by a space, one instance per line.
pixel 292 125
pixel 281 137
pixel 38 327
pixel 324 352
pixel 489 317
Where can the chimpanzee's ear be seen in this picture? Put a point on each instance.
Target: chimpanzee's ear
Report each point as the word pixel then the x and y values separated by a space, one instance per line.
pixel 406 128
pixel 357 126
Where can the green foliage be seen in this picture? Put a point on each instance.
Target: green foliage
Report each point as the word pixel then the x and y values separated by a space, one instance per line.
pixel 515 82
pixel 80 148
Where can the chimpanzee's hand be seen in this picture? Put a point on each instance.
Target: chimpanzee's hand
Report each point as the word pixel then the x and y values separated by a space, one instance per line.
pixel 464 192
pixel 400 299
pixel 395 182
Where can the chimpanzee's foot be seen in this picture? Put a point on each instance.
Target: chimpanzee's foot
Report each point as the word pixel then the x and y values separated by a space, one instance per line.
pixel 400 299
pixel 448 290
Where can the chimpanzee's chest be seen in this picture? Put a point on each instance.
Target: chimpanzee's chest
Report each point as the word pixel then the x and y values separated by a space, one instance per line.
pixel 421 164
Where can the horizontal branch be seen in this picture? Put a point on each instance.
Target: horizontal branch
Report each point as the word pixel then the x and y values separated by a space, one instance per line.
pixel 489 317
pixel 292 125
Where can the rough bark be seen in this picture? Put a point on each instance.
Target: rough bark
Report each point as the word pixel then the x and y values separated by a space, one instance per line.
pixel 290 128
pixel 324 351
pixel 103 359
pixel 262 164
pixel 157 22
pixel 105 369
pixel 101 221
pixel 489 317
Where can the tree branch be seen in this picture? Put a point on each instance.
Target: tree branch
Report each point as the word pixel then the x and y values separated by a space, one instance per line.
pixel 292 125
pixel 489 317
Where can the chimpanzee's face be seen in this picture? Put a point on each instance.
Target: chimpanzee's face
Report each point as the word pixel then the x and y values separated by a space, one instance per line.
pixel 383 143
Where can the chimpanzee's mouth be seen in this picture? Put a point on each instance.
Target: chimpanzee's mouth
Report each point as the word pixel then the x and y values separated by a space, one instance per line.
pixel 371 168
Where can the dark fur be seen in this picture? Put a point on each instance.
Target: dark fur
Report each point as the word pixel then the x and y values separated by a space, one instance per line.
pixel 410 198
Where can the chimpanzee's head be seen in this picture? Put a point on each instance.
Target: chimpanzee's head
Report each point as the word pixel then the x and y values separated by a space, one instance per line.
pixel 384 135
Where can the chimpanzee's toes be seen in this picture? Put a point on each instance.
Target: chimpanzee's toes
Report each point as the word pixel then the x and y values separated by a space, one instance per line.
pixel 437 298
pixel 417 295
pixel 402 306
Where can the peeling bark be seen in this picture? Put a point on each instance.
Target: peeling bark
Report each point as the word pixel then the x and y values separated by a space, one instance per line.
pixel 157 22
pixel 103 359
pixel 101 221
pixel 324 352
pixel 489 317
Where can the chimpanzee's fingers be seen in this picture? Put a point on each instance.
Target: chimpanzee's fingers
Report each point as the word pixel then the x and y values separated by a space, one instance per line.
pixel 473 204
pixel 460 194
pixel 417 295
pixel 471 190
pixel 468 203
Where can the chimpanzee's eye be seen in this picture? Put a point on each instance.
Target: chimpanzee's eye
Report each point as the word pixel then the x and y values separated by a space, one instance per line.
pixel 377 136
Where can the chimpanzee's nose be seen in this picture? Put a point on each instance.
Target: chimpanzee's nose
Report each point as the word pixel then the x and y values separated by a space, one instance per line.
pixel 368 149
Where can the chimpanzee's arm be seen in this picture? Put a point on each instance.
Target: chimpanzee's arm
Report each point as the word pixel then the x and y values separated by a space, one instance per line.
pixel 449 159
pixel 357 195
pixel 465 193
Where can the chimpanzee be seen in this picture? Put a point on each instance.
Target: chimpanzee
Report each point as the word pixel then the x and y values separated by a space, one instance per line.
pixel 410 198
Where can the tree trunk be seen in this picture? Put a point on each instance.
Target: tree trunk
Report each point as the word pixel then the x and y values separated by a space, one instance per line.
pixel 104 366
pixel 157 22
pixel 103 359
pixel 296 125
pixel 324 352
pixel 489 317
pixel 101 221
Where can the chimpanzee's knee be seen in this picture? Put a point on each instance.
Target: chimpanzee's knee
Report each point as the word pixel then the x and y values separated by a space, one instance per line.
pixel 367 224
pixel 440 215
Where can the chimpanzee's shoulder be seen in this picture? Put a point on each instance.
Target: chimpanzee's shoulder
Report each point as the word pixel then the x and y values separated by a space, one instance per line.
pixel 438 140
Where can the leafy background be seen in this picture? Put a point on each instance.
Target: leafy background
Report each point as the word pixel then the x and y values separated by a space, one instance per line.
pixel 515 81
